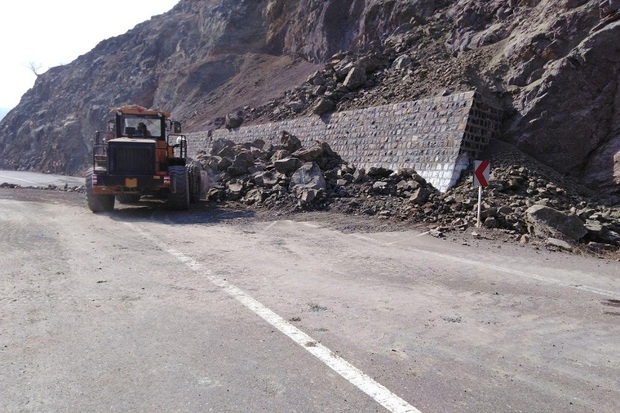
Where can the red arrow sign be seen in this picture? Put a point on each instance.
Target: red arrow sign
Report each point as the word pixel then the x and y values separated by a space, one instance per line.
pixel 481 173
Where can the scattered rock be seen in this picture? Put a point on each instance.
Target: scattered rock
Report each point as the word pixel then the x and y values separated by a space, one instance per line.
pixel 402 62
pixel 558 243
pixel 289 142
pixel 234 120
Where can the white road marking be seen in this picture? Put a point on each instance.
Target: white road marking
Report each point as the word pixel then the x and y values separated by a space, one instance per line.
pixel 268 227
pixel 355 376
pixel 541 278
pixel 307 224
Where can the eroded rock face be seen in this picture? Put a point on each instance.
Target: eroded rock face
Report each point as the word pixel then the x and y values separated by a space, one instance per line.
pixel 570 116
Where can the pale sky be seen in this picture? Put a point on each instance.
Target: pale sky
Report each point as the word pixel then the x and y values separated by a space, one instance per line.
pixel 50 33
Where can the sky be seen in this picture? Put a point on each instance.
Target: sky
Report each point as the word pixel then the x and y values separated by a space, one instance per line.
pixel 48 33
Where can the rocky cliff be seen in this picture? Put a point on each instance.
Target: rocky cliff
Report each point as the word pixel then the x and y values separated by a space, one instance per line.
pixel 554 66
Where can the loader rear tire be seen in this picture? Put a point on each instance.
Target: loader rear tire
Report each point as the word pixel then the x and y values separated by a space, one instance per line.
pixel 96 202
pixel 179 188
pixel 193 176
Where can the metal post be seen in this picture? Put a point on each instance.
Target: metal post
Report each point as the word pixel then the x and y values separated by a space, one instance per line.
pixel 478 224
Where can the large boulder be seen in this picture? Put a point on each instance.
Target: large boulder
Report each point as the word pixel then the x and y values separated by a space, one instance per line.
pixel 235 190
pixel 355 78
pixel 241 164
pixel 266 178
pixel 310 154
pixel 549 222
pixel 309 176
pixel 323 105
pixel 419 196
pixel 316 79
pixel 234 120
pixel 601 232
pixel 219 144
pixel 287 165
pixel 280 154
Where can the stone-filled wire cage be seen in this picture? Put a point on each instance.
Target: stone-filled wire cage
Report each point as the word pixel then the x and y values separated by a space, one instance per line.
pixel 438 137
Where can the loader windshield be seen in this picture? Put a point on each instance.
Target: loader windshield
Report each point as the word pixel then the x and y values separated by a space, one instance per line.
pixel 141 127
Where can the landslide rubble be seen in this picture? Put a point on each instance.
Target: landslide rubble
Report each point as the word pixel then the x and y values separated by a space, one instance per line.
pixel 64 188
pixel 552 66
pixel 525 201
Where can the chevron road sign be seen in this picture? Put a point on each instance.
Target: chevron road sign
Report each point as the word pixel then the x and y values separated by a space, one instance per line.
pixel 482 170
pixel 481 173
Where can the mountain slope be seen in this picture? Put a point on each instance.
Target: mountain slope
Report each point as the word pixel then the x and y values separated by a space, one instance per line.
pixel 554 66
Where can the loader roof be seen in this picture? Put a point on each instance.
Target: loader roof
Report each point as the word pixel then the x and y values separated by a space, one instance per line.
pixel 139 110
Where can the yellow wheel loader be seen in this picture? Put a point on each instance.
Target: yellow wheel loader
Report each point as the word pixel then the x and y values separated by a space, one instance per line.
pixel 142 153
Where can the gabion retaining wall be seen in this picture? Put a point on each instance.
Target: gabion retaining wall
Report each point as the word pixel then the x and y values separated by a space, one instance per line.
pixel 438 137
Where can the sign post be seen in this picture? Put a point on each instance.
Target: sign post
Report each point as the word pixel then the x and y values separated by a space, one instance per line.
pixel 481 179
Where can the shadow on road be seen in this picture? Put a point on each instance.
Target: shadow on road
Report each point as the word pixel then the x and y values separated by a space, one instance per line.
pixel 156 211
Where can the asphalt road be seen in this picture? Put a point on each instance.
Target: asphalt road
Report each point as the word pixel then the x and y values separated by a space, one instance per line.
pixel 150 310
pixel 36 179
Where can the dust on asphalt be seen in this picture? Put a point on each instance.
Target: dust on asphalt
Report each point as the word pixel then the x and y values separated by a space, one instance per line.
pixel 236 214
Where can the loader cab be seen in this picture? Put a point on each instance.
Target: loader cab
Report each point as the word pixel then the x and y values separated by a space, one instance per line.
pixel 140 126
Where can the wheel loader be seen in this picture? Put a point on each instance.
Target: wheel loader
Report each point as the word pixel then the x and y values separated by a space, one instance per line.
pixel 142 153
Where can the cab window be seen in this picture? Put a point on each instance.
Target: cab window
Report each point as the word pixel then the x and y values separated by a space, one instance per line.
pixel 140 127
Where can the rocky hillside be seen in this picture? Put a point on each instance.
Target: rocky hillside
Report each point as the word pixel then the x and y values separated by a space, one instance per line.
pixel 554 66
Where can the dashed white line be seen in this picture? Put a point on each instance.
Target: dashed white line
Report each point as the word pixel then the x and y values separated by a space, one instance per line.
pixel 355 376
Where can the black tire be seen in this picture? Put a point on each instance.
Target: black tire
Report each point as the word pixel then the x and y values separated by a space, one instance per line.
pixel 179 188
pixel 97 203
pixel 128 198
pixel 193 176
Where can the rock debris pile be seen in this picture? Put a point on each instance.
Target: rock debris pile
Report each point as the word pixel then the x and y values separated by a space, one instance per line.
pixel 524 201
pixel 65 188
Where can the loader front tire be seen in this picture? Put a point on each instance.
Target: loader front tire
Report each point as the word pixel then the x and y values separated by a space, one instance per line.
pixel 96 202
